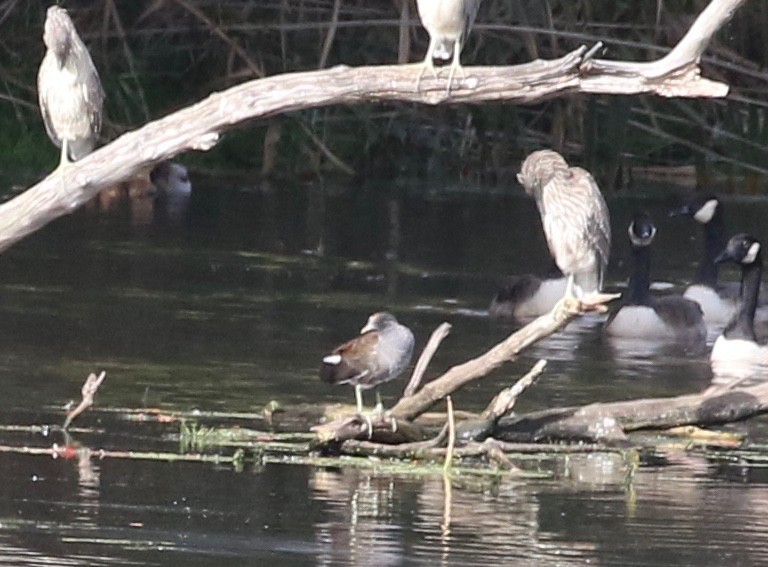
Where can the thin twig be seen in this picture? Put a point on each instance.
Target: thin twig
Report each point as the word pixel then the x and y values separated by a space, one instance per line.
pixel 88 391
pixel 329 37
pixel 426 356
pixel 218 31
pixel 130 59
pixel 451 436
pixel 326 151
pixel 505 400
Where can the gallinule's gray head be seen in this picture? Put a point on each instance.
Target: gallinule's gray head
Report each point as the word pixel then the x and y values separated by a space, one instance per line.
pixel 69 89
pixel 379 354
pixel 574 216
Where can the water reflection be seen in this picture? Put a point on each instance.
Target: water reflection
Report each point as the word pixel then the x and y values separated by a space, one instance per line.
pixel 236 304
pixel 601 506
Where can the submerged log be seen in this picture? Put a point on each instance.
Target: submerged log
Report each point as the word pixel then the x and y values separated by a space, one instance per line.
pixel 611 421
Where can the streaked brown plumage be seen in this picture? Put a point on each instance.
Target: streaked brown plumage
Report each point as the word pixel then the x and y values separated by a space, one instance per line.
pixel 574 216
pixel 448 23
pixel 69 88
pixel 380 354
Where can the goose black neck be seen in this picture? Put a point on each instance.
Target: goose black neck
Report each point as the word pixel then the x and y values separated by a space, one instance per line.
pixel 714 243
pixel 743 324
pixel 640 280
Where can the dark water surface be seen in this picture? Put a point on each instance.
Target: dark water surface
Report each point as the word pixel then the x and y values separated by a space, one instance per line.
pixel 235 304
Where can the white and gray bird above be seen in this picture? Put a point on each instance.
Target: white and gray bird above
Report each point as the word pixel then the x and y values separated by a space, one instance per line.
pixel 69 89
pixel 448 23
pixel 574 216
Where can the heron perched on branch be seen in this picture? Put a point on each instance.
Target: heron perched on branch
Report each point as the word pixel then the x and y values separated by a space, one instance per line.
pixel 69 89
pixel 575 219
pixel 448 23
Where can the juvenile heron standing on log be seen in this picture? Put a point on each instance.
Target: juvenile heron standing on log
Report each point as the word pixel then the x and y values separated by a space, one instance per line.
pixel 575 219
pixel 448 23
pixel 69 89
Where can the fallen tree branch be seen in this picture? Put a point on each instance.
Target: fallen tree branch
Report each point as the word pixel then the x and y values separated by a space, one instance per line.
pixel 479 428
pixel 458 376
pixel 611 421
pixel 672 75
pixel 387 427
pixel 505 400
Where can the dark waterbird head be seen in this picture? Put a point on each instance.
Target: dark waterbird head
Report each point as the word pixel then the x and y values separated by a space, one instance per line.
pixel 702 208
pixel 742 249
pixel 641 229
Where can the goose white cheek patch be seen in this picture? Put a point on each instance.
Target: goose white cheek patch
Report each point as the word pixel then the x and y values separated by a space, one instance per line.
pixel 751 253
pixel 706 212
pixel 332 359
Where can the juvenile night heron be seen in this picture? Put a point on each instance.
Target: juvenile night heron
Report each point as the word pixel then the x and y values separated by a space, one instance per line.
pixel 448 23
pixel 575 219
pixel 69 89
pixel 380 354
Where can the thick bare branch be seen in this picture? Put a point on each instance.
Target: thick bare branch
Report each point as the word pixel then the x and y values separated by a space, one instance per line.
pixel 458 376
pixel 610 421
pixel 676 73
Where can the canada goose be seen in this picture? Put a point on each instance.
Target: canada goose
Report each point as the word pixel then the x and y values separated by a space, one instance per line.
pixel 448 23
pixel 647 317
pixel 574 216
pixel 380 354
pixel 738 344
pixel 69 89
pixel 718 302
pixel 528 296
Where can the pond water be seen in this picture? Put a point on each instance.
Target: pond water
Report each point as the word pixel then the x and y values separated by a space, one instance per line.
pixel 233 305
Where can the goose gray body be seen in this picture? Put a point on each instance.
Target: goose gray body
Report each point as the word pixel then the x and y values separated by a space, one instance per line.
pixel 644 316
pixel 69 88
pixel 574 216
pixel 526 297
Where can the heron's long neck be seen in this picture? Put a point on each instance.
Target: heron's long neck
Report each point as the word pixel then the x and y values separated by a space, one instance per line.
pixel 640 280
pixel 742 326
pixel 714 243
